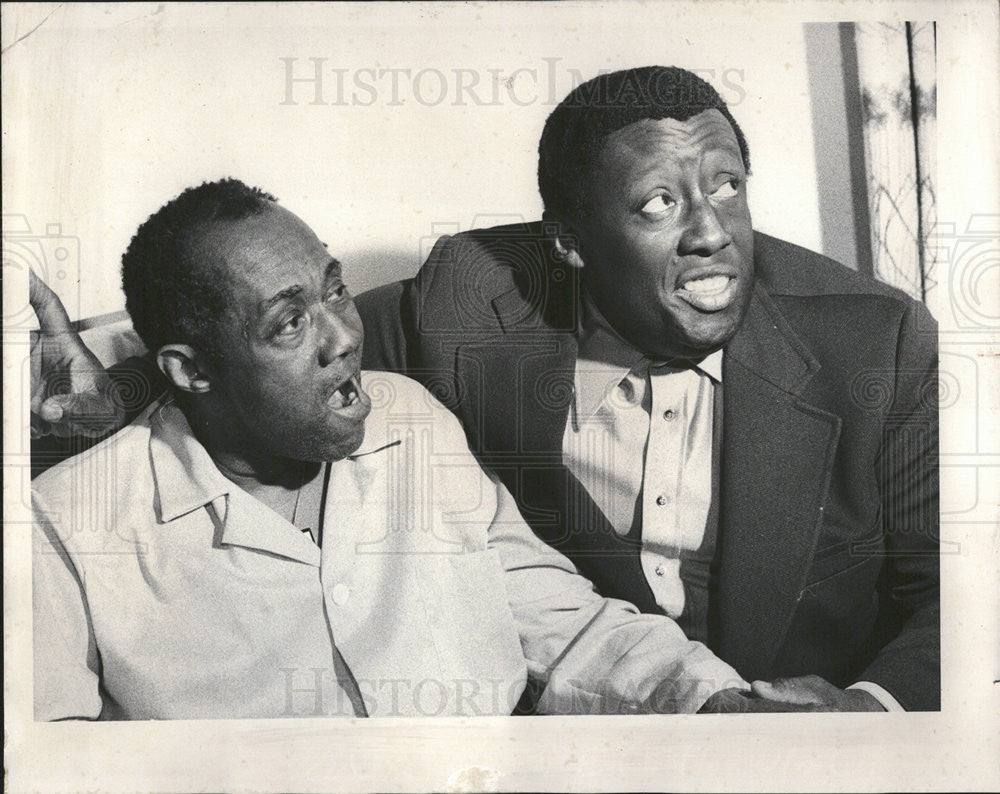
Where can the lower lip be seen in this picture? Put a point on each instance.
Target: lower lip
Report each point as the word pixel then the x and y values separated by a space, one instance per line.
pixel 709 301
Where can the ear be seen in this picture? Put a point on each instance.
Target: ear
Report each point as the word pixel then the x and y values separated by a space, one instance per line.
pixel 563 236
pixel 184 367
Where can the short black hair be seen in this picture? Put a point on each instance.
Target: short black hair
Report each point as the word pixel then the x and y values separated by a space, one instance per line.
pixel 172 294
pixel 575 132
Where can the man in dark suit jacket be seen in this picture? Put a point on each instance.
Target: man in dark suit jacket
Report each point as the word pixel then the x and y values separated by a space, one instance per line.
pixel 817 572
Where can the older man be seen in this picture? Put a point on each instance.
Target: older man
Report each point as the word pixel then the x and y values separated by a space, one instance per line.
pixel 284 535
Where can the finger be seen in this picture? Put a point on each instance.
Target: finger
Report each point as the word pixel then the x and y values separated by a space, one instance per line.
pixel 89 413
pixel 50 410
pixel 764 706
pixel 788 690
pixel 85 406
pixel 726 701
pixel 38 395
pixel 52 317
pixel 39 427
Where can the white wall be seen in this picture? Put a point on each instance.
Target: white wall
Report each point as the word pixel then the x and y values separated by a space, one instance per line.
pixel 112 110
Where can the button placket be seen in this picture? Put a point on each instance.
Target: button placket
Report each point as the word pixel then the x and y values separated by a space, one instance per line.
pixel 340 540
pixel 663 456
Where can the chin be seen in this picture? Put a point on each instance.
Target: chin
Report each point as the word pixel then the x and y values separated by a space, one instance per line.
pixel 714 331
pixel 346 444
pixel 324 445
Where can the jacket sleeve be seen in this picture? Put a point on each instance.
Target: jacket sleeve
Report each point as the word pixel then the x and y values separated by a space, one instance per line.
pixel 908 666
pixel 592 654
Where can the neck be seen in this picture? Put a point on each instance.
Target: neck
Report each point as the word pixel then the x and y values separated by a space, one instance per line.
pixel 251 475
pixel 240 461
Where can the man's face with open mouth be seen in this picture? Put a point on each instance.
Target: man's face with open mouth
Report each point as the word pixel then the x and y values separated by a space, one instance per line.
pixel 293 339
pixel 667 243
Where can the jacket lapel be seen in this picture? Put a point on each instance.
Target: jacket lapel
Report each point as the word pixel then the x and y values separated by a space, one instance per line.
pixel 776 464
pixel 522 379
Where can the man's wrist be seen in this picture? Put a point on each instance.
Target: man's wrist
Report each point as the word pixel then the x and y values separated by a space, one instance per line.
pixel 882 697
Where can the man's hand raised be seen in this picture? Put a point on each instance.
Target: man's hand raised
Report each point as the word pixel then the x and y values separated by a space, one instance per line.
pixel 811 690
pixel 70 393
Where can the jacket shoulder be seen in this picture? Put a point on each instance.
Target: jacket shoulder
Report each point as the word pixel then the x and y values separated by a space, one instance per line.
pixel 500 278
pixel 828 294
pixel 386 322
pixel 788 269
pixel 497 253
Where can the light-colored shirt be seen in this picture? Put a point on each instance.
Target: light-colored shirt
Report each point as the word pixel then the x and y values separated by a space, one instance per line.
pixel 639 438
pixel 162 590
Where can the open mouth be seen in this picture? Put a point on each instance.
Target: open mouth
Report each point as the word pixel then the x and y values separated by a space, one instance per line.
pixel 708 292
pixel 347 393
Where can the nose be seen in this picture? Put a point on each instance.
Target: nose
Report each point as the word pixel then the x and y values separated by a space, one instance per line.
pixel 338 337
pixel 703 234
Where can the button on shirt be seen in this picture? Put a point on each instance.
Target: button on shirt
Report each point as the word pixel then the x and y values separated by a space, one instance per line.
pixel 639 438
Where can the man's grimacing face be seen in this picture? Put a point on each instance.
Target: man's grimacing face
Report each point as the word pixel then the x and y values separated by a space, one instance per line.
pixel 293 339
pixel 667 243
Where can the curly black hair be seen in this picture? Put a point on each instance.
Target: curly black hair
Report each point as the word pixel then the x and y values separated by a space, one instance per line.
pixel 171 293
pixel 575 132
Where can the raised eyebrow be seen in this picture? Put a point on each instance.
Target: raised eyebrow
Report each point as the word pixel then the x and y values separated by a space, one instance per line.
pixel 730 149
pixel 656 167
pixel 286 294
pixel 332 267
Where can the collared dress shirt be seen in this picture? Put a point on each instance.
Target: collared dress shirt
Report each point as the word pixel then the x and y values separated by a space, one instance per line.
pixel 162 590
pixel 639 438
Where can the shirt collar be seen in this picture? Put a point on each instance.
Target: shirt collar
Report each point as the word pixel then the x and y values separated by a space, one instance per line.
pixel 187 479
pixel 604 358
pixel 185 474
pixel 711 365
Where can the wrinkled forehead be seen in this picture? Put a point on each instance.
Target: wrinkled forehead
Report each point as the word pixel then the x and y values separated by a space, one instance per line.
pixel 262 253
pixel 708 132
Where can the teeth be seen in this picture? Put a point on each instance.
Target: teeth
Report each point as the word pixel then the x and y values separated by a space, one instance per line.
pixel 707 285
pixel 345 394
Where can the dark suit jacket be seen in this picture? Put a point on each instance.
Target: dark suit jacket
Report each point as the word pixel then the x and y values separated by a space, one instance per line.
pixel 827 558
